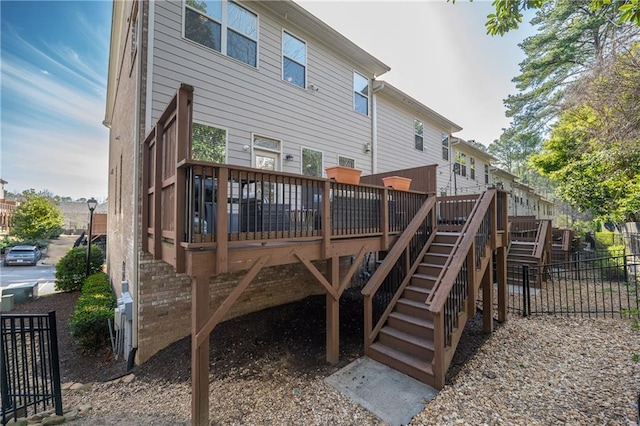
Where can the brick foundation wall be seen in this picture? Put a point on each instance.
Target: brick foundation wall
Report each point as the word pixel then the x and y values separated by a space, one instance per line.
pixel 165 298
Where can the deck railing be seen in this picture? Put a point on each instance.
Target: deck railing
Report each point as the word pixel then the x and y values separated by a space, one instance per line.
pixel 260 205
pixel 390 279
pixel 460 276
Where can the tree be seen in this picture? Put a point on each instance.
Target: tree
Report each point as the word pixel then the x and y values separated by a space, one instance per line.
pixel 594 150
pixel 572 39
pixel 37 217
pixel 508 13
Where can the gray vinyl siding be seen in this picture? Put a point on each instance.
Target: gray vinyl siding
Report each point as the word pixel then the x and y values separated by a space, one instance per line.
pixel 396 142
pixel 247 100
pixel 464 184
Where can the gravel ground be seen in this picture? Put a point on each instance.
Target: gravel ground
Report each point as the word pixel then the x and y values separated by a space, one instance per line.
pixel 536 371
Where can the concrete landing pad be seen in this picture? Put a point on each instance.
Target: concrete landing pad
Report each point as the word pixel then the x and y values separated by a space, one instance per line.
pixel 392 396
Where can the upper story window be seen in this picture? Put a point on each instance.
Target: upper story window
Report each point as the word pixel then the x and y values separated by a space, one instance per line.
pixel 445 147
pixel 460 166
pixel 418 131
pixel 486 174
pixel 360 93
pixel 472 168
pixel 209 144
pixel 347 162
pixel 294 60
pixel 223 26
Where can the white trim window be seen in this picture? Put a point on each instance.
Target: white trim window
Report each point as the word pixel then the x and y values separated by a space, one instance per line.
pixel 312 162
pixel 360 93
pixel 445 146
pixel 294 60
pixel 223 26
pixel 418 132
pixel 460 166
pixel 486 174
pixel 472 168
pixel 209 144
pixel 346 162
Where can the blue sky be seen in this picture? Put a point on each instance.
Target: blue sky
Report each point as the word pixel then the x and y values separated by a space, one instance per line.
pixel 54 70
pixel 53 83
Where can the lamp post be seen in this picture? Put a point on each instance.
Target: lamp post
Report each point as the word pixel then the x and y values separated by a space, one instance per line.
pixel 91 203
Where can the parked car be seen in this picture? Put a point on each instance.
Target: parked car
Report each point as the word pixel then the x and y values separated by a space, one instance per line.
pixel 22 255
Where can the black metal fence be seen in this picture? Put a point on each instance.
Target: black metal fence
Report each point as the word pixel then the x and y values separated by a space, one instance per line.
pixel 593 287
pixel 29 365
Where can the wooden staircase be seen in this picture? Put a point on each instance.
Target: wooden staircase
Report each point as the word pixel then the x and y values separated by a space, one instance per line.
pixel 406 341
pixel 420 297
pixel 521 253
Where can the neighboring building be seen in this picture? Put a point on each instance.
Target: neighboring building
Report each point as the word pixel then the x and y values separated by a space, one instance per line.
pixel 471 167
pixel 7 208
pixel 409 134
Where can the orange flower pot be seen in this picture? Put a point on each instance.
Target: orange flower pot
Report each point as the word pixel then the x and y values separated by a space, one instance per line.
pixel 343 174
pixel 397 182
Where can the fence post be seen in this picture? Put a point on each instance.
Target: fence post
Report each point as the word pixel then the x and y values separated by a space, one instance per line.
pixel 624 257
pixel 55 363
pixel 525 290
pixel 4 385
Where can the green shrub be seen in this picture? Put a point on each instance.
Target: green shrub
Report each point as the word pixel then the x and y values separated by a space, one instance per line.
pixel 94 308
pixel 96 283
pixel 72 267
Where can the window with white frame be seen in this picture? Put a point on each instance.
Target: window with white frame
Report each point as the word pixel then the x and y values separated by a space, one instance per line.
pixel 347 162
pixel 223 26
pixel 360 93
pixel 294 60
pixel 445 146
pixel 486 174
pixel 472 168
pixel 461 164
pixel 209 144
pixel 311 162
pixel 418 131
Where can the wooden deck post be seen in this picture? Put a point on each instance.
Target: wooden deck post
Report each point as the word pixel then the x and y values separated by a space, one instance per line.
pixel 333 311
pixel 501 266
pixel 199 353
pixel 487 300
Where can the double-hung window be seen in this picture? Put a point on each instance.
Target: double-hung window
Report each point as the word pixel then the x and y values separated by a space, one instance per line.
pixel 472 168
pixel 486 174
pixel 418 132
pixel 223 26
pixel 461 164
pixel 294 60
pixel 445 147
pixel 360 93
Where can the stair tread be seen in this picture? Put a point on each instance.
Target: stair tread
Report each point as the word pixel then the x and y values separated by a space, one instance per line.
pixel 411 319
pixel 408 337
pixel 430 264
pixel 419 289
pixel 425 276
pixel 404 358
pixel 414 303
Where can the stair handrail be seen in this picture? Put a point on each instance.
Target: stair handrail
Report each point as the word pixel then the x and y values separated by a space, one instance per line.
pixel 390 260
pixel 541 239
pixel 462 245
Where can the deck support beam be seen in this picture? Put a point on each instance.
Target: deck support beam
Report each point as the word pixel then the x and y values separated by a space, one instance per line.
pixel 487 300
pixel 334 288
pixel 202 325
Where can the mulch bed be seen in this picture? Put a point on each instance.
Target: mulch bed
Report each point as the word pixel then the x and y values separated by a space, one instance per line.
pixel 291 336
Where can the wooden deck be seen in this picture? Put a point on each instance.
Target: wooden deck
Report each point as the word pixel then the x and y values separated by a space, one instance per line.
pixel 208 219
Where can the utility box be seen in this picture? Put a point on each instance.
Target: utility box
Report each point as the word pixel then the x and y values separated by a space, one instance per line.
pixel 7 303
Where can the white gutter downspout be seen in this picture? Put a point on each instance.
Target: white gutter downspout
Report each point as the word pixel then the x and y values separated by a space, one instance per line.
pixel 374 128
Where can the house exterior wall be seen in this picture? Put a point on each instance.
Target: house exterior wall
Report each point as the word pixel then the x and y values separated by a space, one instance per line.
pixel 396 140
pixel 461 185
pixel 245 100
pixel 122 224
